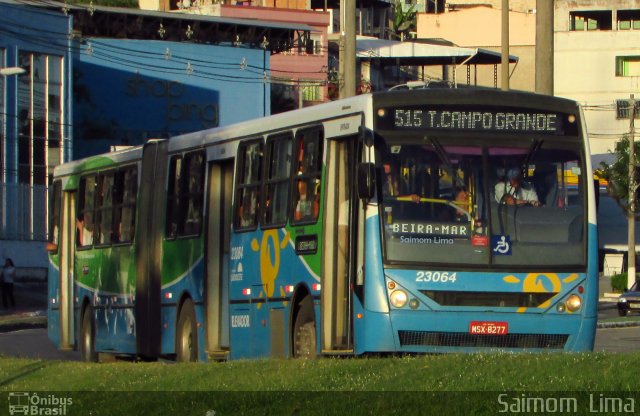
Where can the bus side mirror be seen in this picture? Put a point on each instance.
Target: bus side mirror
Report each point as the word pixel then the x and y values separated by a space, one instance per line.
pixel 366 180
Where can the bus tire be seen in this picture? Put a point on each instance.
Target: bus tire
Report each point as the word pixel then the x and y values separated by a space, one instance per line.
pixel 304 331
pixel 186 334
pixel 87 339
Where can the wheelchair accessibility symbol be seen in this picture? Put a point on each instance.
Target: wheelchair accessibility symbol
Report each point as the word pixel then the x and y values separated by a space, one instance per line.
pixel 501 245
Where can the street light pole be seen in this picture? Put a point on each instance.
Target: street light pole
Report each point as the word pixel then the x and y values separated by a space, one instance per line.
pixel 347 54
pixel 631 218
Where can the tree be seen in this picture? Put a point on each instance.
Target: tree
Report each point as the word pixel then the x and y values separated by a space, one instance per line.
pixel 617 174
pixel 403 21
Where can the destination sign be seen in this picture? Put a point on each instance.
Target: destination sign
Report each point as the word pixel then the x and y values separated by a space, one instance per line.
pixel 478 120
pixel 460 230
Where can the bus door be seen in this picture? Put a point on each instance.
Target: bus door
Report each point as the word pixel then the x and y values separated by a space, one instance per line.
pixel 67 259
pixel 219 198
pixel 338 263
pixel 150 221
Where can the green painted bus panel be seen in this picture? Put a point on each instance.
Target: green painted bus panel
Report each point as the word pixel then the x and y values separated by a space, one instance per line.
pixel 180 256
pixel 109 269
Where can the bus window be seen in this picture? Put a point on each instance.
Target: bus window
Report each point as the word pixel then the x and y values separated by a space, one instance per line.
pixel 84 220
pixel 104 210
pixel 185 195
pixel 494 203
pixel 548 206
pixel 307 175
pixel 173 197
pixel 248 185
pixel 192 216
pixel 276 190
pixel 124 201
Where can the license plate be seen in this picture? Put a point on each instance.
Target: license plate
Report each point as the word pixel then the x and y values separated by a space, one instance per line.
pixel 488 328
pixel 634 305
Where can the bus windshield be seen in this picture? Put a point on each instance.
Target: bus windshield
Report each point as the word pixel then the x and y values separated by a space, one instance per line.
pixel 495 202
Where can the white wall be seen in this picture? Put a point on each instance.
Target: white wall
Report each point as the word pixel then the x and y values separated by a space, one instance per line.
pixel 585 64
pixel 30 258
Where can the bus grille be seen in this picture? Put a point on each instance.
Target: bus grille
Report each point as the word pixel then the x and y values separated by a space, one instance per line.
pixel 489 299
pixel 463 339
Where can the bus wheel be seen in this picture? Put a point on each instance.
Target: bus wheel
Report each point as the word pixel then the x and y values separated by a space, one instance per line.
pixel 88 337
pixel 186 334
pixel 304 331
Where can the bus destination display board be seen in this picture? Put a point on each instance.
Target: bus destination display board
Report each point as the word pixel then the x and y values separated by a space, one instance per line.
pixel 476 120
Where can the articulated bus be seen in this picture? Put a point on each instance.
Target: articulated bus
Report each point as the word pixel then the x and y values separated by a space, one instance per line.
pixel 381 223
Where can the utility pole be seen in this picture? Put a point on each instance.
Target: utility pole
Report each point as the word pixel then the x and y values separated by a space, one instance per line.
pixel 544 46
pixel 505 45
pixel 631 238
pixel 347 54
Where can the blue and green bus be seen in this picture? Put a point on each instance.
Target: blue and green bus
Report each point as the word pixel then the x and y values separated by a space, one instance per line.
pixel 410 221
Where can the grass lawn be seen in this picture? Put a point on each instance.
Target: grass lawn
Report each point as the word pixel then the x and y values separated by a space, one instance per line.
pixel 433 384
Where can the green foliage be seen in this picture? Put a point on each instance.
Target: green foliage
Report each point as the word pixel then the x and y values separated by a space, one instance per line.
pixel 617 174
pixel 403 21
pixel 619 282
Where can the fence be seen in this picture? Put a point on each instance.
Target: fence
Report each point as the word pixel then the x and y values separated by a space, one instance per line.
pixel 23 212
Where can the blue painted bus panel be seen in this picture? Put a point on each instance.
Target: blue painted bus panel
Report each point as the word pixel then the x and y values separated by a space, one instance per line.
pixel 263 264
pixel 190 284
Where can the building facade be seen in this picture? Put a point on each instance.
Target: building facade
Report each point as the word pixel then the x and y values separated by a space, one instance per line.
pixel 162 89
pixel 93 78
pixel 597 62
pixel 480 27
pixel 297 76
pixel 36 132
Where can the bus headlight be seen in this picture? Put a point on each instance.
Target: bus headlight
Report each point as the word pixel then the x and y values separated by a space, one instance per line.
pixel 398 298
pixel 622 300
pixel 573 303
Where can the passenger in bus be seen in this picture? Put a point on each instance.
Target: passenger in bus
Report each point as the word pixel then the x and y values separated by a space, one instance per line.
pixel 247 210
pixel 308 198
pixel 545 180
pixel 512 191
pixel 84 235
pixel 304 206
pixel 462 201
pixel 391 184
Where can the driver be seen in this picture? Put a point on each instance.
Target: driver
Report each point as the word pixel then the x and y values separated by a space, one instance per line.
pixel 513 192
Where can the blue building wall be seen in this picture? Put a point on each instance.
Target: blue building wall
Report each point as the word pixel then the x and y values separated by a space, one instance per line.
pixel 126 91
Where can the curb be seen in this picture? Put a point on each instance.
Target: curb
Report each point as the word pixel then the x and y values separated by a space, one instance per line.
pixel 618 324
pixel 21 325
